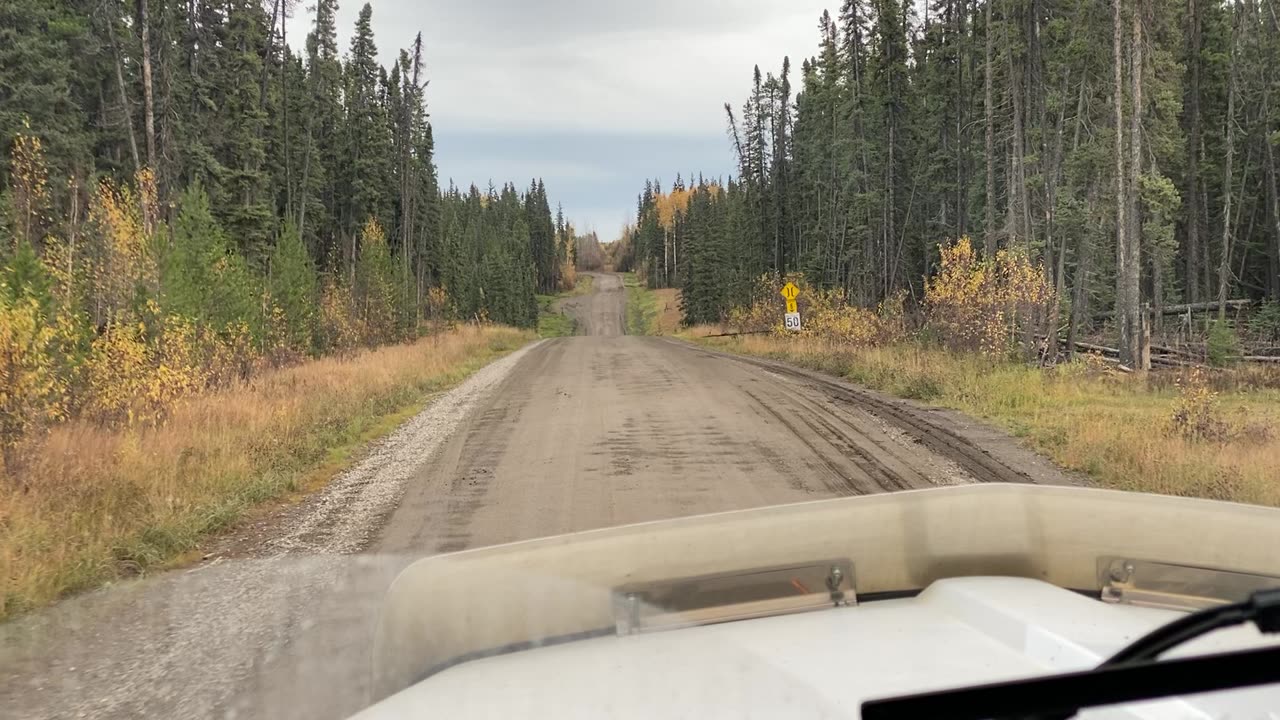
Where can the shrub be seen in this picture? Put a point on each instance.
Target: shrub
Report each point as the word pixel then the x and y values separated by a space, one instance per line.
pixel 1197 415
pixel 339 330
pixel 1265 325
pixel 292 289
pixel 1222 346
pixel 985 305
pixel 826 314
pixel 32 392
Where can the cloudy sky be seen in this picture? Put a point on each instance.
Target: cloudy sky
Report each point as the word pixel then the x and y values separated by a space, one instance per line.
pixel 591 96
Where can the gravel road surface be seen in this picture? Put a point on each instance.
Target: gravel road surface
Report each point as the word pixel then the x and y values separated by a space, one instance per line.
pixel 565 435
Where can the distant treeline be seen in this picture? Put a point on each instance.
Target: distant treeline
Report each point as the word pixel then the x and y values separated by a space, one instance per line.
pixel 1130 146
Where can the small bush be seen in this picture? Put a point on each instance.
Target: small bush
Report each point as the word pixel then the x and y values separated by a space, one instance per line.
pixel 1196 415
pixel 1265 325
pixel 1222 346
pixel 986 305
pixel 826 314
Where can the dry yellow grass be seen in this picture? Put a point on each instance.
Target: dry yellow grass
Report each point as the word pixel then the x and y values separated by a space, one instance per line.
pixel 667 302
pixel 92 504
pixel 1116 428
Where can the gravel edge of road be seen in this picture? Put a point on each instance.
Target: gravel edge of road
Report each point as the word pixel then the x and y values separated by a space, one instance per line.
pixel 145 648
pixel 347 514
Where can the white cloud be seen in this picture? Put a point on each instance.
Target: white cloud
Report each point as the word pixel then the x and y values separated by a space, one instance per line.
pixel 656 68
pixel 665 66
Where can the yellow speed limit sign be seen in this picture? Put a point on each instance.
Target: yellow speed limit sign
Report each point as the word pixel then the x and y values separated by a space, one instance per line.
pixel 792 318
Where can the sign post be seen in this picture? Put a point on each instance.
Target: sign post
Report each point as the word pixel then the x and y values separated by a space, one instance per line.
pixel 791 320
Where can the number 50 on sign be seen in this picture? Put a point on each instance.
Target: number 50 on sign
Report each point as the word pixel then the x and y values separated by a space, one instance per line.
pixel 792 321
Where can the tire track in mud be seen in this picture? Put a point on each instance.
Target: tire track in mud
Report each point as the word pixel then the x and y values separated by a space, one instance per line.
pixel 934 436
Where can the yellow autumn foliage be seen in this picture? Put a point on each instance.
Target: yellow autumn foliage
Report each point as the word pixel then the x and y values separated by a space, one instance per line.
pixel 30 186
pixel 825 313
pixel 671 205
pixel 437 303
pixel 133 379
pixel 985 305
pixel 340 331
pixel 123 261
pixel 33 393
pixel 675 204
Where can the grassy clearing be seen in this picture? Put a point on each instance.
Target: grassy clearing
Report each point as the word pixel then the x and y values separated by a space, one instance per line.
pixel 1118 429
pixel 95 504
pixel 668 318
pixel 642 307
pixel 552 322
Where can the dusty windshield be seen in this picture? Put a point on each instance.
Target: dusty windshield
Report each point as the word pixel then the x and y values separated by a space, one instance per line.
pixel 294 295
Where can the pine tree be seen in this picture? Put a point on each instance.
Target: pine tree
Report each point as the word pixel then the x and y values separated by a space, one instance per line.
pixel 292 286
pixel 49 60
pixel 202 278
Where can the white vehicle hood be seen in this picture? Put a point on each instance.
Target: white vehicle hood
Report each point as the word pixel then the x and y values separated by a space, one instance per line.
pixel 823 664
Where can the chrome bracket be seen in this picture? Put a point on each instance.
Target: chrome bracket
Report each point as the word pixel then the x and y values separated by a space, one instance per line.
pixel 738 595
pixel 1148 583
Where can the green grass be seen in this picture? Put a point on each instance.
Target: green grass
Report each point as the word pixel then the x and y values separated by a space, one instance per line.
pixel 642 307
pixel 552 323
pixel 1118 429
pixel 557 324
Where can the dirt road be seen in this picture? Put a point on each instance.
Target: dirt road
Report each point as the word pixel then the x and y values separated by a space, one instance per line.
pixel 608 429
pixel 571 433
pixel 603 311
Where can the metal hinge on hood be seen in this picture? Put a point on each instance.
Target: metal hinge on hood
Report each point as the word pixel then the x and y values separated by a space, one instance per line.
pixel 1175 587
pixel 739 595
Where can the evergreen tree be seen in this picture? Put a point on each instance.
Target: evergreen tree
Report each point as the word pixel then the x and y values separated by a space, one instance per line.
pixel 293 288
pixel 201 277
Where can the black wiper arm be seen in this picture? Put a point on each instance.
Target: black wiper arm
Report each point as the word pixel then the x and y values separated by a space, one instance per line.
pixel 1262 608
pixel 1130 675
pixel 1063 695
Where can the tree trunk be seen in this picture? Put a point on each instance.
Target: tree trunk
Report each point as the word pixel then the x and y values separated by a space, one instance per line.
pixel 1080 283
pixel 1273 202
pixel 1192 251
pixel 1224 264
pixel 989 231
pixel 266 54
pixel 126 115
pixel 193 57
pixel 1055 257
pixel 1133 248
pixel 303 189
pixel 1122 315
pixel 962 216
pixel 287 143
pixel 1018 230
pixel 148 102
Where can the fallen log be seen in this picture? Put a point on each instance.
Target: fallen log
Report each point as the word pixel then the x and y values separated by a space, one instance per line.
pixel 1187 307
pixel 1090 347
pixel 1203 306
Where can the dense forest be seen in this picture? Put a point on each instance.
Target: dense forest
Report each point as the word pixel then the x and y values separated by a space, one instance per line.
pixel 186 194
pixel 1129 146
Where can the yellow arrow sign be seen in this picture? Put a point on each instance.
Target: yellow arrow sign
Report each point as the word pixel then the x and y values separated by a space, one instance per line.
pixel 790 292
pixel 791 306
